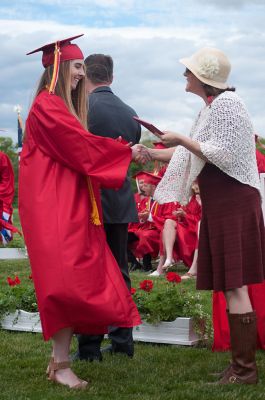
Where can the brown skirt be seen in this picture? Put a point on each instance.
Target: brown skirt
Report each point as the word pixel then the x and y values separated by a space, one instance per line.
pixel 232 236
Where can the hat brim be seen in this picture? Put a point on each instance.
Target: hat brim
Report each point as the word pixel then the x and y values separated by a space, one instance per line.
pixel 188 64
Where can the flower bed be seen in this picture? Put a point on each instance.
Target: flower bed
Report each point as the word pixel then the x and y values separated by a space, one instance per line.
pixel 17 294
pixel 165 299
pixel 171 311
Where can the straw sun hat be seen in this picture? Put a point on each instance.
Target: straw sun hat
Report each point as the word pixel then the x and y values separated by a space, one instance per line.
pixel 210 66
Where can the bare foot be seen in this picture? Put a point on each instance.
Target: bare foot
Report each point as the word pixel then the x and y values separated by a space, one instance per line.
pixel 188 275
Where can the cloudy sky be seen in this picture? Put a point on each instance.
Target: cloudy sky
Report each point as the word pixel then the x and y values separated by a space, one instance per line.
pixel 145 38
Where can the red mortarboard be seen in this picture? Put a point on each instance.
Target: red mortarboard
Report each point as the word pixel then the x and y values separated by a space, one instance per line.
pixel 68 51
pixel 57 52
pixel 159 145
pixel 139 175
pixel 148 177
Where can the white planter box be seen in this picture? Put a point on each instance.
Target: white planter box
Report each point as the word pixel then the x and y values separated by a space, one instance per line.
pixel 179 331
pixel 12 253
pixel 22 321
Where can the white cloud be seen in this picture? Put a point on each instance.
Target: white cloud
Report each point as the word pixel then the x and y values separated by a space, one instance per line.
pixel 147 73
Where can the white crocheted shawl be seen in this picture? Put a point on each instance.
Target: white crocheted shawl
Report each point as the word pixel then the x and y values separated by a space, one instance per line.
pixel 226 137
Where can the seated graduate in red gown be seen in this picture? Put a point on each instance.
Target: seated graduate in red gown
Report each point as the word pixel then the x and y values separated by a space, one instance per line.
pixel 139 196
pixel 7 190
pixel 1 210
pixel 78 283
pixel 179 233
pixel 159 166
pixel 144 240
pixel 259 155
pixel 140 200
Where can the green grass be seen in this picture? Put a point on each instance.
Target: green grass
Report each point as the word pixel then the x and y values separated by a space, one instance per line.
pixel 157 372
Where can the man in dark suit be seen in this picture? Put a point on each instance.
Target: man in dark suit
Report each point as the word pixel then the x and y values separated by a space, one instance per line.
pixel 109 116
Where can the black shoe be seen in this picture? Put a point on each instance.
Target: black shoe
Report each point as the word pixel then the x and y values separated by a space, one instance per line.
pixel 91 357
pixel 134 266
pixel 121 348
pixel 147 263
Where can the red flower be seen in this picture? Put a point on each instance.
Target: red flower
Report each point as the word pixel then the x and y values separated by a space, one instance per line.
pixel 133 290
pixel 10 281
pixel 173 277
pixel 30 276
pixel 13 282
pixel 146 285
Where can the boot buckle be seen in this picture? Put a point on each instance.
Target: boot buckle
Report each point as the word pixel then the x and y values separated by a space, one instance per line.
pixel 246 320
pixel 232 379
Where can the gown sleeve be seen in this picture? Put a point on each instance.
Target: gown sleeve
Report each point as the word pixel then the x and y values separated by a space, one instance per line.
pixel 6 181
pixel 58 134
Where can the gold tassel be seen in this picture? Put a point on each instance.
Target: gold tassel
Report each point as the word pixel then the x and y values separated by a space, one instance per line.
pixel 94 212
pixel 56 66
pixel 155 210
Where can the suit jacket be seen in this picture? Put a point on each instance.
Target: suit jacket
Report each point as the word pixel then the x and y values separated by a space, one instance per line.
pixel 109 116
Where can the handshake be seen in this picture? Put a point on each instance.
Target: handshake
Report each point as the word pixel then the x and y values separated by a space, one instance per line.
pixel 141 154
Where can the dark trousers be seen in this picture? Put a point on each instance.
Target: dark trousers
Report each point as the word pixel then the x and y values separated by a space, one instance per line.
pixel 121 338
pixel 117 238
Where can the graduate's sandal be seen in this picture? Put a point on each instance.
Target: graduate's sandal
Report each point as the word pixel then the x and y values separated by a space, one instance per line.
pixel 48 370
pixel 54 366
pixel 188 275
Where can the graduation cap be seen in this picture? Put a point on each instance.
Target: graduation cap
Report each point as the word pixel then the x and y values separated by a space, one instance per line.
pixel 148 177
pixel 57 52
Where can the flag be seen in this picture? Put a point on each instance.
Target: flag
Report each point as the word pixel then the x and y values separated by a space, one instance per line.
pixel 19 134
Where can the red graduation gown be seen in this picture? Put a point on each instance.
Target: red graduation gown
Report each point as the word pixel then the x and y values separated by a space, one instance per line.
pixel 186 228
pixel 1 211
pixel 146 233
pixel 260 161
pixel 140 206
pixel 7 190
pixel 6 183
pixel 77 280
pixel 221 340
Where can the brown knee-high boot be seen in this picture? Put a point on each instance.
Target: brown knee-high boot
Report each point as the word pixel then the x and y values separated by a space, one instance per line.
pixel 243 336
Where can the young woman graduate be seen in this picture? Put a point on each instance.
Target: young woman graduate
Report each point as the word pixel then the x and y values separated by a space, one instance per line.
pixel 78 284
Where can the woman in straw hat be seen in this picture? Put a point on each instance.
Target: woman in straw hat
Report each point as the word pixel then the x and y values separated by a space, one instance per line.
pixel 78 284
pixel 220 152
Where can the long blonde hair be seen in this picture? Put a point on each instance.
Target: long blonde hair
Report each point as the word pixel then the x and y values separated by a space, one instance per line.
pixel 75 100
